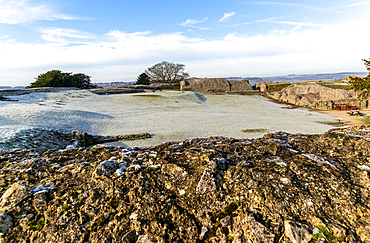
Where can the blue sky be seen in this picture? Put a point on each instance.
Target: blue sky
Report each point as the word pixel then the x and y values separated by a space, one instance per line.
pixel 118 40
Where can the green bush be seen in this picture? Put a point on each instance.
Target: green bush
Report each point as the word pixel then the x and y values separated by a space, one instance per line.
pixel 56 78
pixel 143 79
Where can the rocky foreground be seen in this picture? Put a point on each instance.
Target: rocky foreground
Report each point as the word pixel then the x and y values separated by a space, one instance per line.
pixel 278 188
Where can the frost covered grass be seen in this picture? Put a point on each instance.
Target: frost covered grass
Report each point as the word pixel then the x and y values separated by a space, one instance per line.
pixel 168 115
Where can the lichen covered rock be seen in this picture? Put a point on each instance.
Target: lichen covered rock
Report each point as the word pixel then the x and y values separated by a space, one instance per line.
pixel 278 188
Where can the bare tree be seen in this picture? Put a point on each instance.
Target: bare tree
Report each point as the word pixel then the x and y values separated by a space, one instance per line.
pixel 167 72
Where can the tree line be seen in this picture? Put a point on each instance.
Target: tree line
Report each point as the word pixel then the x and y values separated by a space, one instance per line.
pixel 164 72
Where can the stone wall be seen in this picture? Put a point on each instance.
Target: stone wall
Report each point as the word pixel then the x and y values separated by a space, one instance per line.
pixel 215 85
pixel 165 86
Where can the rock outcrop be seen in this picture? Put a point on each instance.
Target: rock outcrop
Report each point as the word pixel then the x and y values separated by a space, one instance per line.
pixel 215 85
pixel 15 92
pixel 262 86
pixel 278 188
pixel 318 96
pixel 43 139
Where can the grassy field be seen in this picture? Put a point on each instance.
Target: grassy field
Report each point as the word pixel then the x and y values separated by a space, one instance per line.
pixel 334 86
pixel 276 87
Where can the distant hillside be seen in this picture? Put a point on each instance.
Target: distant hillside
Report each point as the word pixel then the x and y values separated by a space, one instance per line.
pixel 253 80
pixel 11 87
pixel 113 84
pixel 300 77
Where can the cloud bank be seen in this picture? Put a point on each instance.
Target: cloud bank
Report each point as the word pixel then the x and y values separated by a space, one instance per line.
pixel 23 11
pixel 122 56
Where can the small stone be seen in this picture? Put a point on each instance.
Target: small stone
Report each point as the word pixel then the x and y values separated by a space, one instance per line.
pixel 6 222
pixel 297 232
pixel 226 221
pixel 143 239
pixel 203 232
pixel 106 169
pixel 14 195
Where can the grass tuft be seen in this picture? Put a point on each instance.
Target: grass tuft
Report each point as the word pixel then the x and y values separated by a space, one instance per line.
pixel 365 119
pixel 256 130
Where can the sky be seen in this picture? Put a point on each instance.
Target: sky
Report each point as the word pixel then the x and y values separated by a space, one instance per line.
pixel 116 40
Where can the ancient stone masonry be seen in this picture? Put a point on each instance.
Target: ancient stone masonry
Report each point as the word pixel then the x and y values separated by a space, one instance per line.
pixel 278 188
pixel 318 97
pixel 215 85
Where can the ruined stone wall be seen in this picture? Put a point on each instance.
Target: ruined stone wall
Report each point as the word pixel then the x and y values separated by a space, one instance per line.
pixel 318 97
pixel 215 85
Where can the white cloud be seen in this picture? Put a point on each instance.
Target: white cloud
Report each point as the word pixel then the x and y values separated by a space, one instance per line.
pixel 227 16
pixel 259 21
pixel 300 6
pixel 4 36
pixel 352 5
pixel 358 4
pixel 296 28
pixel 23 11
pixel 67 36
pixel 192 22
pixel 122 56
pixel 294 23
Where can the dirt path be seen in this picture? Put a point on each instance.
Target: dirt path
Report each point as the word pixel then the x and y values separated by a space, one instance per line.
pixel 345 118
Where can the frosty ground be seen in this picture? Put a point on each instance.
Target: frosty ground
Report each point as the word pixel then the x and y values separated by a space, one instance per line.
pixel 167 115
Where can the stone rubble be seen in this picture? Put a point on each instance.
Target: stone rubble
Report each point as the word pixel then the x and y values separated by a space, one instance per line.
pixel 278 188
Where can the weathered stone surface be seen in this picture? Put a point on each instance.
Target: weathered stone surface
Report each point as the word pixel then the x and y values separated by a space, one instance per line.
pixel 263 85
pixel 215 85
pixel 119 90
pixel 15 92
pixel 6 222
pixel 106 169
pixel 208 181
pixel 263 88
pixel 297 232
pixel 318 96
pixel 143 239
pixel 240 86
pixel 165 86
pixel 278 188
pixel 14 195
pixel 42 139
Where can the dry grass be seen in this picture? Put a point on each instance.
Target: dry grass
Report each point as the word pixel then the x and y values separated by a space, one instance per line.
pixel 255 130
pixel 276 87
